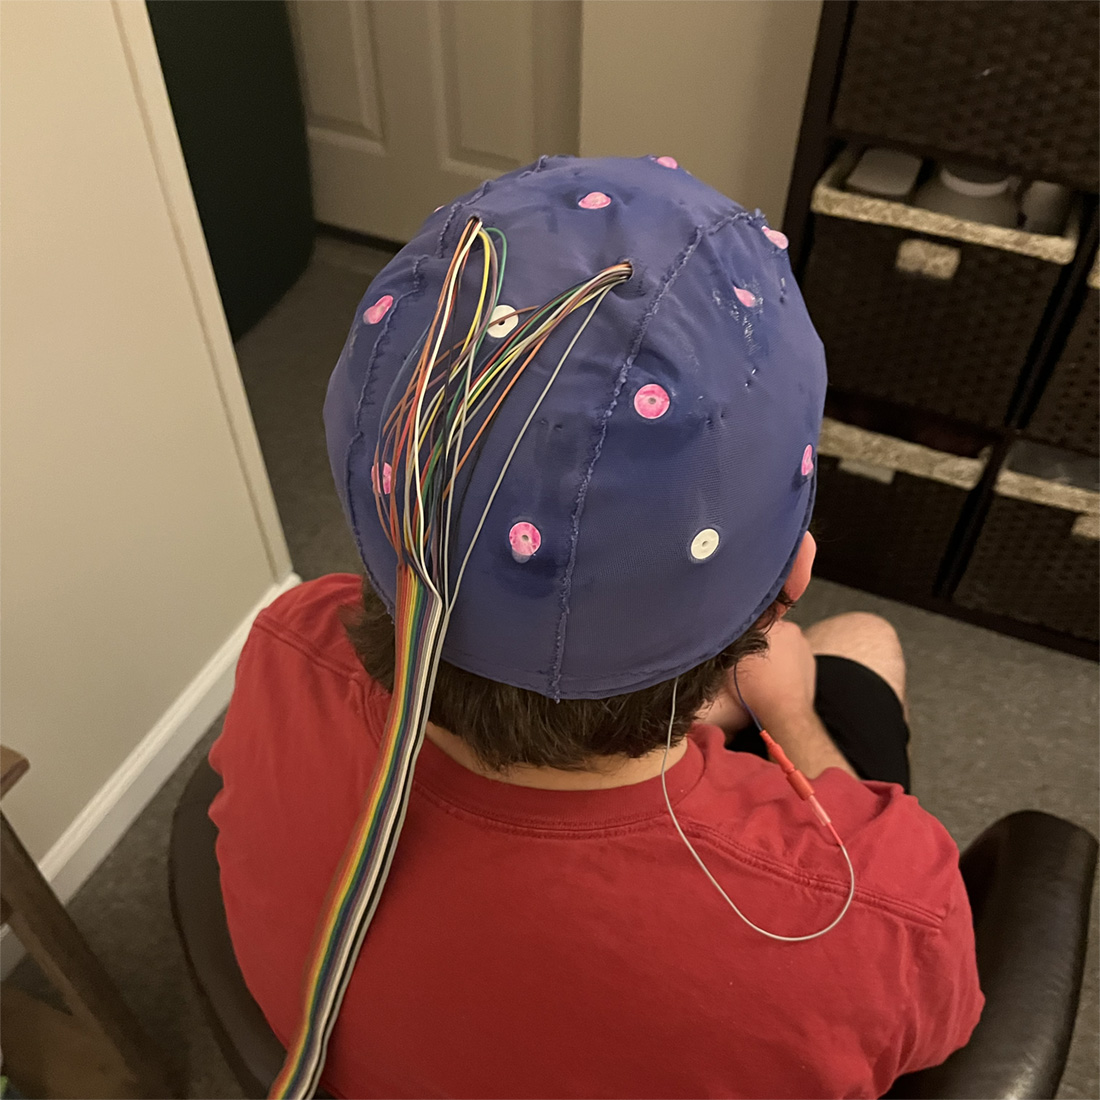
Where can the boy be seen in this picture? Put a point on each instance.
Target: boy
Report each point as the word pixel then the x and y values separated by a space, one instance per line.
pixel 573 429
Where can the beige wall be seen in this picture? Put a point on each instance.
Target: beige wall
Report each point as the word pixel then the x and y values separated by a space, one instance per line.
pixel 137 525
pixel 718 84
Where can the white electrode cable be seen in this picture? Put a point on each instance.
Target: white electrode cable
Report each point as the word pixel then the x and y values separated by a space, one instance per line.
pixel 763 931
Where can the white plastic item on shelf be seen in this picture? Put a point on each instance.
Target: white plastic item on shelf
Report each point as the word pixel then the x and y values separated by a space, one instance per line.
pixel 832 199
pixel 884 174
pixel 976 194
pixel 1045 207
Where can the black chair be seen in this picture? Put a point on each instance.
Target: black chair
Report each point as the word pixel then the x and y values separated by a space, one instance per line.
pixel 1029 877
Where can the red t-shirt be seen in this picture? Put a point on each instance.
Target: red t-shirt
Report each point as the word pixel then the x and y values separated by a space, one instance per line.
pixel 536 943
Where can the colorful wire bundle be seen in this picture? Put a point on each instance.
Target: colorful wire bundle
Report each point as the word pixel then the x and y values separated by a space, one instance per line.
pixel 423 447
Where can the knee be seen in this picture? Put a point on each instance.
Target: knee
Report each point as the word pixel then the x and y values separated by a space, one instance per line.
pixel 871 629
pixel 866 638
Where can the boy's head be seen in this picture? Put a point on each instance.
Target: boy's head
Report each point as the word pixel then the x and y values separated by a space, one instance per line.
pixel 658 499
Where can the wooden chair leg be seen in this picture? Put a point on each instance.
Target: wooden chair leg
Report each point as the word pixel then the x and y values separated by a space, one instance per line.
pixel 40 922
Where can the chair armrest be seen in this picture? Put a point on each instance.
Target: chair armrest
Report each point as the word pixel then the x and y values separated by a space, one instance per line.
pixel 1029 877
pixel 247 1042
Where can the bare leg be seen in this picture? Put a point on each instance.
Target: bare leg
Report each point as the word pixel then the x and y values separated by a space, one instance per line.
pixel 866 638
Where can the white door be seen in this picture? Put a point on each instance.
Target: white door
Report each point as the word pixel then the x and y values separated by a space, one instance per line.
pixel 412 102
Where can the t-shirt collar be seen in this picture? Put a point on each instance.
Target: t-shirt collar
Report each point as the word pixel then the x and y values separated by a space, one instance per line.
pixel 445 780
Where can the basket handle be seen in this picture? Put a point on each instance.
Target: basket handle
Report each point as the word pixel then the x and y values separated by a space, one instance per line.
pixel 917 256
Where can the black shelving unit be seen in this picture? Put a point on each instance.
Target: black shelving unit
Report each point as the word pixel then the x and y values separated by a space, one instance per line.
pixel 1063 329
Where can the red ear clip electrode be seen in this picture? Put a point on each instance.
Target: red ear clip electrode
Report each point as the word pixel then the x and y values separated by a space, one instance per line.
pixel 798 781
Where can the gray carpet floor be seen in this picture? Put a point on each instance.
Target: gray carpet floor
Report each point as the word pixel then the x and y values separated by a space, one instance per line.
pixel 998 724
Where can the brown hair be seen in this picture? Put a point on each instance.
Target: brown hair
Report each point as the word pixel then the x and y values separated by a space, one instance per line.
pixel 506 725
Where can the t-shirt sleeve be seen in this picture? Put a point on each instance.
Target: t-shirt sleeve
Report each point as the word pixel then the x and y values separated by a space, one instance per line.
pixel 945 999
pixel 902 852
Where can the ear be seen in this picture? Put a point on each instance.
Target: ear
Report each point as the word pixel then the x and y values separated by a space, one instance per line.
pixel 799 577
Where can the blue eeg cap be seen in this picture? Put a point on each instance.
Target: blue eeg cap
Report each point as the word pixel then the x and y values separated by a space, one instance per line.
pixel 669 475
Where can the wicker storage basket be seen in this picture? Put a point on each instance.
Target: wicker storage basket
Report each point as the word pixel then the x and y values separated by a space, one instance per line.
pixel 1068 414
pixel 886 509
pixel 1037 558
pixel 923 309
pixel 1011 83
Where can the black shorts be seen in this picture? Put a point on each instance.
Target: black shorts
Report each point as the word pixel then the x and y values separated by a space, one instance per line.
pixel 863 716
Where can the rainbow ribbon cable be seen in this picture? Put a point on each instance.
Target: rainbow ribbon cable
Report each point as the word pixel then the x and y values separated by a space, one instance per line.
pixel 424 440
